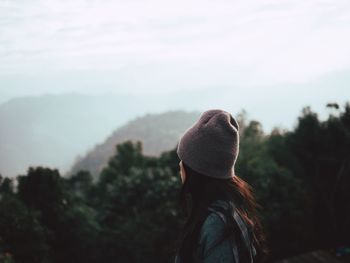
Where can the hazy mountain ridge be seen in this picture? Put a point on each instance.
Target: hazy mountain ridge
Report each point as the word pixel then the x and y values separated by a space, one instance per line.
pixel 52 130
pixel 157 132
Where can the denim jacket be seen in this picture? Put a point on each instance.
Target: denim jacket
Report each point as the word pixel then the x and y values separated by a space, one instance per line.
pixel 211 231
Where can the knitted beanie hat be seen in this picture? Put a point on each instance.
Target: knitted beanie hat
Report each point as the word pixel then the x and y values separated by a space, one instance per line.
pixel 211 145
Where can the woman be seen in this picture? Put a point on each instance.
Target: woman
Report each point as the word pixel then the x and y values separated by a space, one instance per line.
pixel 222 225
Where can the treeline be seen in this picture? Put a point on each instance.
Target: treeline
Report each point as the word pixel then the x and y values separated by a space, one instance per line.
pixel 301 179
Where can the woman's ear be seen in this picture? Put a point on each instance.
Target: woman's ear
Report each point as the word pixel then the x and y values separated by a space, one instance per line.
pixel 182 172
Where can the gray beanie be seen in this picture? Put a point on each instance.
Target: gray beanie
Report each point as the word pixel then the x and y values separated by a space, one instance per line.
pixel 211 145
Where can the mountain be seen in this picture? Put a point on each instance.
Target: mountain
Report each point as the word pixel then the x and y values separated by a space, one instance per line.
pixel 157 132
pixel 51 130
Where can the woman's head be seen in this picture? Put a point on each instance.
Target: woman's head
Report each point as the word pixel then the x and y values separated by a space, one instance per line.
pixel 211 145
pixel 208 151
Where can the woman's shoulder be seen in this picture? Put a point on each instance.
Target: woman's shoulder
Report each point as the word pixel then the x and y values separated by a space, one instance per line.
pixel 213 222
pixel 218 218
pixel 211 233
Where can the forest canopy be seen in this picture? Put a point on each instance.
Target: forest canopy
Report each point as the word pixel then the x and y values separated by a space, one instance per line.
pixel 301 179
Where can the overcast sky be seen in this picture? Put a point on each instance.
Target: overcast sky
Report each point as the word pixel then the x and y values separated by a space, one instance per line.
pixel 157 46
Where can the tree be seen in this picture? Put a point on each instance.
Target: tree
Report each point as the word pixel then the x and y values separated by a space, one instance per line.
pixel 21 234
pixel 138 210
pixel 279 192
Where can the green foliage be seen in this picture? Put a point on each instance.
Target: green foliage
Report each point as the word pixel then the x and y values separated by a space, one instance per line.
pixel 130 213
pixel 139 202
pixel 22 235
pixel 6 186
pixel 279 192
pixel 322 150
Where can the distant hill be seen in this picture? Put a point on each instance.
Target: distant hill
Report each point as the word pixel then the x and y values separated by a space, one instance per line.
pixel 51 130
pixel 158 133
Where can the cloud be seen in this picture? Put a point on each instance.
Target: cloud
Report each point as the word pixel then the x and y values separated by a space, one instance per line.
pixel 238 42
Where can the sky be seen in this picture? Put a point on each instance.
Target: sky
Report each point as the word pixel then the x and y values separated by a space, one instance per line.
pixel 157 46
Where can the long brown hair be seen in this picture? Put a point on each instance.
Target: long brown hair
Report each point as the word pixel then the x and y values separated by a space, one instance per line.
pixel 198 192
